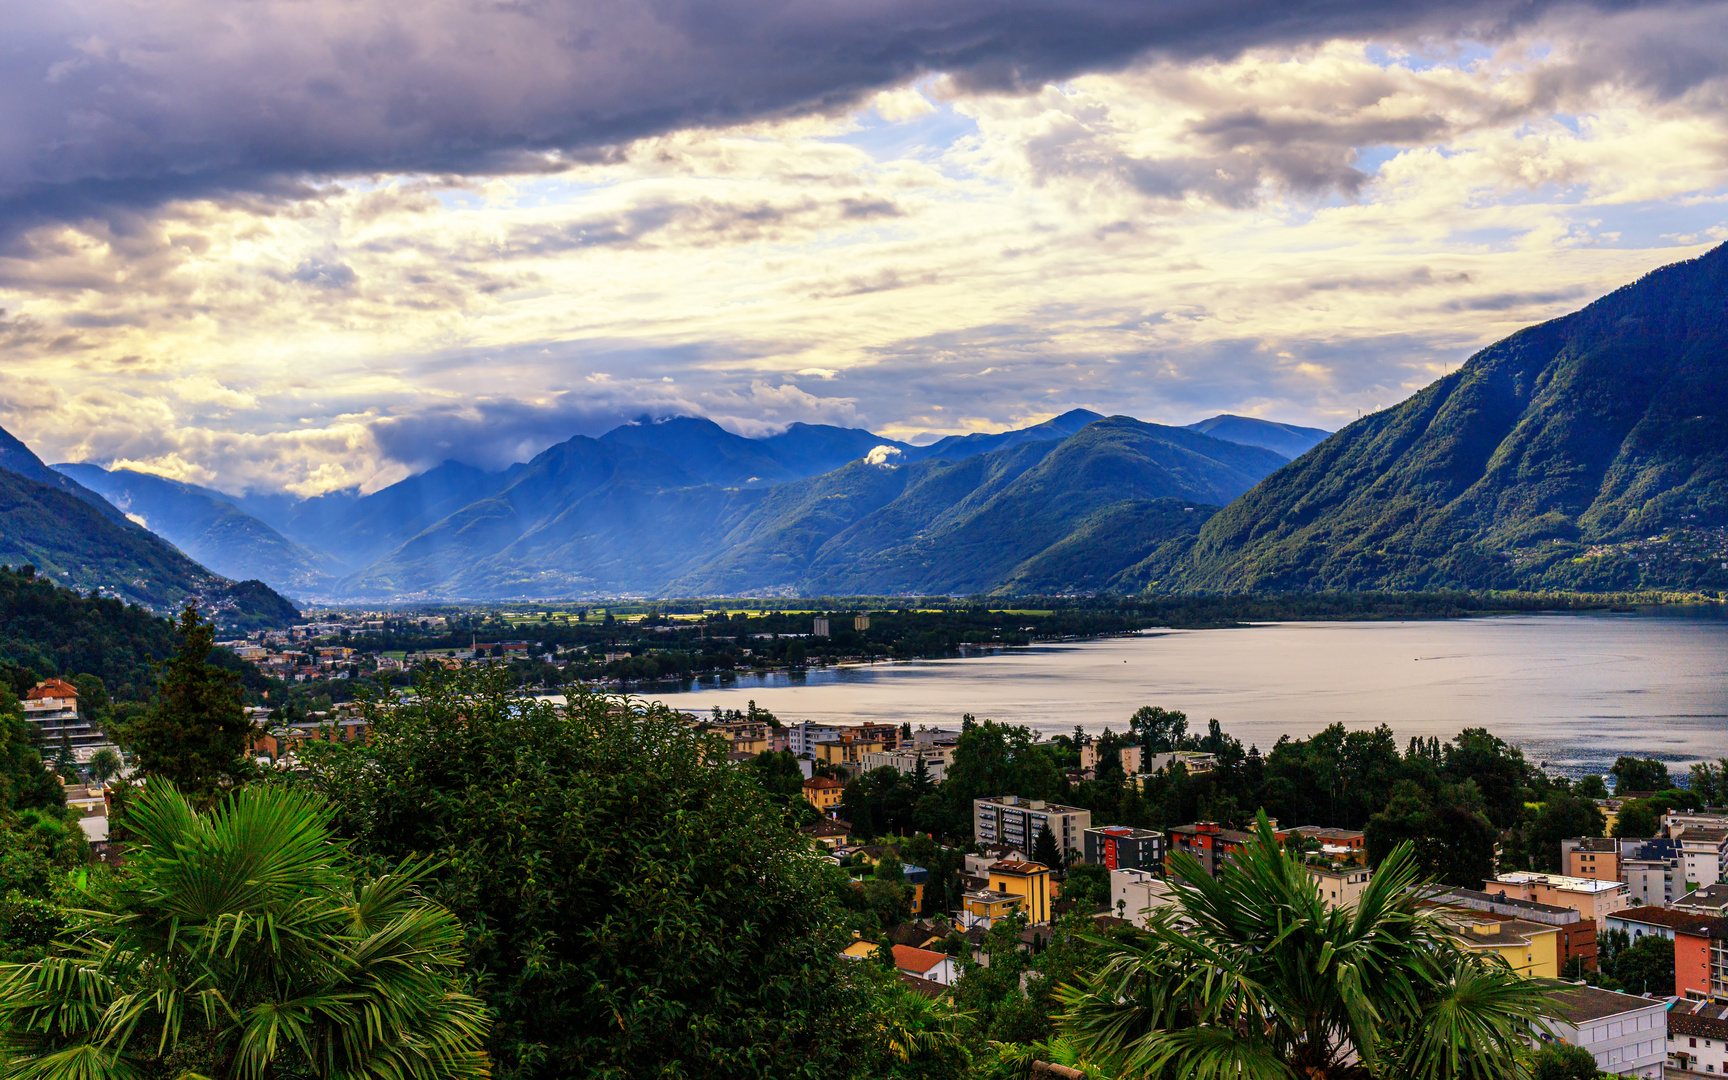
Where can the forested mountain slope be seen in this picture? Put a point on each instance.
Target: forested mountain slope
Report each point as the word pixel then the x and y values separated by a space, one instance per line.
pixel 1590 452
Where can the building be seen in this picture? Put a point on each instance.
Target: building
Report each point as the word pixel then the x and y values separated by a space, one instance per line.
pixel 1577 934
pixel 1709 900
pixel 982 907
pixel 1590 898
pixel 1653 922
pixel 1331 840
pixel 1701 960
pixel 1530 949
pixel 1652 872
pixel 905 762
pixel 924 964
pixel 1207 841
pixel 51 711
pixel 802 737
pixel 1697 1040
pixel 1028 880
pixel 1195 762
pixel 1136 893
pixel 846 748
pixel 860 622
pixel 1596 857
pixel 1627 1035
pixel 745 736
pixel 819 626
pixel 1675 820
pixel 1122 848
pixel 887 734
pixel 1012 820
pixel 1340 884
pixel 829 833
pixel 823 792
pixel 1703 854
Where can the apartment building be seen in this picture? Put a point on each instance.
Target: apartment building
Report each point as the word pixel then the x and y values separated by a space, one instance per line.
pixel 1697 1040
pixel 802 737
pixel 1340 883
pixel 1595 857
pixel 846 748
pixel 1577 934
pixel 1209 842
pixel 51 711
pixel 1009 819
pixel 1703 853
pixel 1590 898
pixel 1653 922
pixel 1119 847
pixel 1701 960
pixel 1136 894
pixel 1628 1036
pixel 905 761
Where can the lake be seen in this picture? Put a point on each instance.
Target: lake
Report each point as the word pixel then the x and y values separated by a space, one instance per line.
pixel 1575 691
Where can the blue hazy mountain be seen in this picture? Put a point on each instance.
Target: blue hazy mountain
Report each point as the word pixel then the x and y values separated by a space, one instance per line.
pixel 956 447
pixel 1287 439
pixel 207 526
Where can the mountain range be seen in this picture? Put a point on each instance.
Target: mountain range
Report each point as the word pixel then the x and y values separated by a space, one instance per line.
pixel 1590 452
pixel 76 538
pixel 682 505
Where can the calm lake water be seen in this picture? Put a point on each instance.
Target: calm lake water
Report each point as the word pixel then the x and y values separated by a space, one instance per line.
pixel 1576 691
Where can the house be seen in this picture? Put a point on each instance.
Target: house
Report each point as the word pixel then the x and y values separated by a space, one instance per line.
pixel 1626 1035
pixel 980 908
pixel 1653 922
pixel 1028 880
pixel 1009 819
pixel 1136 893
pixel 924 964
pixel 1697 1040
pixel 1530 949
pixel 1595 857
pixel 1340 885
pixel 1589 897
pixel 924 987
pixel 1709 900
pixel 829 833
pixel 823 792
pixel 1577 934
pixel 860 949
pixel 1119 847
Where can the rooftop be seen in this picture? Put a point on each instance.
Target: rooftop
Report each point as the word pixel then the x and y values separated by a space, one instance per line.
pixel 1032 804
pixel 1714 895
pixel 51 688
pixel 1584 1004
pixel 1127 831
pixel 1469 897
pixel 822 782
pixel 907 958
pixel 1702 834
pixel 1698 1018
pixel 1558 881
pixel 1326 832
pixel 1658 916
pixel 925 987
pixel 1598 844
pixel 1019 869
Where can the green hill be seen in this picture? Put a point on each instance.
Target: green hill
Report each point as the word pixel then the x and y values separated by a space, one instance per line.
pixel 1590 452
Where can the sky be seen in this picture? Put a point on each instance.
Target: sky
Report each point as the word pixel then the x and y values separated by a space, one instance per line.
pixel 306 245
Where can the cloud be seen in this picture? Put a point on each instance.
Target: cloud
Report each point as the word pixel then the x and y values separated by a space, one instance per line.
pixel 110 103
pixel 881 456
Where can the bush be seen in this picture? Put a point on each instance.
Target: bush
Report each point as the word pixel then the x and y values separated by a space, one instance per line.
pixel 1563 1061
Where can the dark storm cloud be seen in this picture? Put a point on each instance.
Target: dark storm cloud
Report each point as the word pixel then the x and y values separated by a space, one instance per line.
pixel 110 103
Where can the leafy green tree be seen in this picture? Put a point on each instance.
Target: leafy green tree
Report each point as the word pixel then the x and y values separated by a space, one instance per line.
pixel 1640 774
pixel 1451 841
pixel 1088 885
pixel 1159 730
pixel 597 849
pixel 196 734
pixel 243 943
pixel 1646 966
pixel 1591 787
pixel 1499 772
pixel 778 773
pixel 1563 1061
pixel 992 759
pixel 92 694
pixel 1044 849
pixel 24 783
pixel 105 764
pixel 1562 817
pixel 1637 818
pixel 1252 975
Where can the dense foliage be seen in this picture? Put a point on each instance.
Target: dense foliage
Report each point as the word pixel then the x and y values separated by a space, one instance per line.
pixel 243 943
pixel 1250 975
pixel 635 905
pixel 1589 453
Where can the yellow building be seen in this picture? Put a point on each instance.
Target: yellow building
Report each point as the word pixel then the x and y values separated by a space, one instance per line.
pixel 860 949
pixel 984 907
pixel 1530 949
pixel 1028 880
pixel 823 792
pixel 848 749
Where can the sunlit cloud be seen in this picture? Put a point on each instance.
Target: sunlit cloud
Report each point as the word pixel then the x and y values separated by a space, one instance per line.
pixel 1297 230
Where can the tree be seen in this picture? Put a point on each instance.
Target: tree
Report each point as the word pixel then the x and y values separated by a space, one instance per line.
pixel 242 942
pixel 196 735
pixel 92 695
pixel 1252 975
pixel 1451 841
pixel 1562 817
pixel 1044 849
pixel 1563 1061
pixel 596 848
pixel 1646 967
pixel 1591 787
pixel 104 764
pixel 1158 730
pixel 1637 818
pixel 1088 885
pixel 1639 774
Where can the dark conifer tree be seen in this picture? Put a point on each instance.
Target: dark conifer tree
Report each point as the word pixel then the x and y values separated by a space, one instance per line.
pixel 196 733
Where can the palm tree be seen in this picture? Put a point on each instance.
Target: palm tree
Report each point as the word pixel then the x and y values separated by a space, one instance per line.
pixel 1250 976
pixel 241 943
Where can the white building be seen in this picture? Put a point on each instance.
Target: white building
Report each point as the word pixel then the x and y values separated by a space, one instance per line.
pixel 1627 1035
pixel 905 762
pixel 926 964
pixel 1703 854
pixel 1012 820
pixel 1135 894
pixel 1340 885
pixel 820 626
pixel 1697 1040
pixel 802 737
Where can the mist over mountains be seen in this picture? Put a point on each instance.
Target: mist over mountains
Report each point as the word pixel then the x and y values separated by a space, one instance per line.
pixel 681 505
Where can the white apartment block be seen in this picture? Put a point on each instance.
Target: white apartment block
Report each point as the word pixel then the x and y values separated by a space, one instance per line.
pixel 1135 894
pixel 802 737
pixel 1628 1036
pixel 905 762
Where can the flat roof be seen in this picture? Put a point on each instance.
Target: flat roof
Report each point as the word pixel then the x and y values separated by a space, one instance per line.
pixel 1658 916
pixel 1585 1004
pixel 1558 881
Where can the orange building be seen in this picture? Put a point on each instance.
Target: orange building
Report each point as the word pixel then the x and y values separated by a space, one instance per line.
pixel 1594 857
